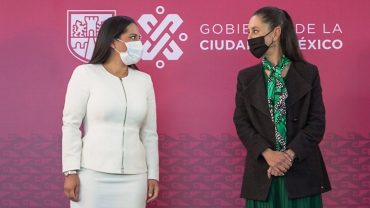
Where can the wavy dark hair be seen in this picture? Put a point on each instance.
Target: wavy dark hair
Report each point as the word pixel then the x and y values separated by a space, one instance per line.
pixel 274 17
pixel 110 30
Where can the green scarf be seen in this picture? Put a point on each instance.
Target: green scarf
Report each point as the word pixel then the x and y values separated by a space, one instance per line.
pixel 276 96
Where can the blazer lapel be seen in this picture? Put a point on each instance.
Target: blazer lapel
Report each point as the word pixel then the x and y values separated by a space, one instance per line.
pixel 297 86
pixel 256 95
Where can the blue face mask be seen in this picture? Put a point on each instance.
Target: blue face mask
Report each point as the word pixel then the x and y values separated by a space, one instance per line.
pixel 133 54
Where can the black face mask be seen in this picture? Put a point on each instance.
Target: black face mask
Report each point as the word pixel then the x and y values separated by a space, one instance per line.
pixel 257 46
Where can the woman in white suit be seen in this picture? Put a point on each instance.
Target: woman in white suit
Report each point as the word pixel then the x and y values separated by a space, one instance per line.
pixel 115 162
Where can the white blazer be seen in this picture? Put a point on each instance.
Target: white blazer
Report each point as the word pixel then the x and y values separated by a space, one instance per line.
pixel 119 120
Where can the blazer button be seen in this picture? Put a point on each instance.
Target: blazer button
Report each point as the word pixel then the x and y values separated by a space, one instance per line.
pixel 295 119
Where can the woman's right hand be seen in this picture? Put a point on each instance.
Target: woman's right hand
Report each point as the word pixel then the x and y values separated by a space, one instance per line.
pixel 280 162
pixel 72 187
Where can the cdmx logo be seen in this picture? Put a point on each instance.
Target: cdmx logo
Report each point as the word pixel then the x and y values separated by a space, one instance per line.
pixel 82 29
pixel 159 40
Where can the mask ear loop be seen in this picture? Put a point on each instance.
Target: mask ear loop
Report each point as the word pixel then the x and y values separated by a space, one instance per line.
pixel 117 39
pixel 116 50
pixel 272 37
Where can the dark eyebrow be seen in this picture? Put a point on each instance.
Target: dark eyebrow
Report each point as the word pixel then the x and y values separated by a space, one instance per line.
pixel 255 27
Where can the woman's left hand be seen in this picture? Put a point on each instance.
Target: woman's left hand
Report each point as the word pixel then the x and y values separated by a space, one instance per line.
pixel 153 190
pixel 274 172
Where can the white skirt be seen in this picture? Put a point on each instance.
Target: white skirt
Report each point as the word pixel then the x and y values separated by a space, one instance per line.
pixel 100 190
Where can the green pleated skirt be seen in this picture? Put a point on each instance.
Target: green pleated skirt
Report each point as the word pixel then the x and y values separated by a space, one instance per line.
pixel 278 198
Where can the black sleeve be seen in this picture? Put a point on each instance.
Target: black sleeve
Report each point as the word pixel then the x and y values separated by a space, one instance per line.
pixel 312 133
pixel 253 141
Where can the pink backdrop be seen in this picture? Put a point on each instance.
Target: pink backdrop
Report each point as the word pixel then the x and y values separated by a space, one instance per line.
pixel 201 157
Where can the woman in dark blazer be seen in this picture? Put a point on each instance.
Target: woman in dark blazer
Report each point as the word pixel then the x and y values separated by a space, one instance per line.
pixel 280 118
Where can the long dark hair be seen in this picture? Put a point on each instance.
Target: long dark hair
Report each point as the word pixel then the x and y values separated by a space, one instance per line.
pixel 274 17
pixel 110 30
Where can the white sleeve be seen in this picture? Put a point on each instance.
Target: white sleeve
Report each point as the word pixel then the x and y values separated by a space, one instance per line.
pixel 149 136
pixel 73 114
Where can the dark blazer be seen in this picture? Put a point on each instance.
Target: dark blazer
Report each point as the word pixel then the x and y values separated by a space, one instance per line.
pixel 305 129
